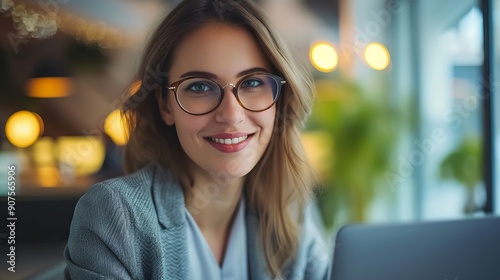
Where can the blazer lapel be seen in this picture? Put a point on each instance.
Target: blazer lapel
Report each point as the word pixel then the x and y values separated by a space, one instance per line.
pixel 168 198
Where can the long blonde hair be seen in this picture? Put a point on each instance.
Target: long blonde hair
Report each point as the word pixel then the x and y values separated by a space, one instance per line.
pixel 281 183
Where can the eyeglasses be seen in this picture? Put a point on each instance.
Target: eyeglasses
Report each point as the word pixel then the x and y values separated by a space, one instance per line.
pixel 255 92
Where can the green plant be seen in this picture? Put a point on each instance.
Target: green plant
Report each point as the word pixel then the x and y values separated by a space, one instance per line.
pixel 463 165
pixel 364 130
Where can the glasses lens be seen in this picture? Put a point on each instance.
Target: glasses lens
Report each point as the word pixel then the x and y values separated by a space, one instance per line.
pixel 258 92
pixel 198 95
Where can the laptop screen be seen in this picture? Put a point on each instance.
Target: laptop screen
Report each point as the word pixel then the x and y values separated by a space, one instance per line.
pixel 446 250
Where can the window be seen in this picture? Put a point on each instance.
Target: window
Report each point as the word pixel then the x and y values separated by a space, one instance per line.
pixel 495 62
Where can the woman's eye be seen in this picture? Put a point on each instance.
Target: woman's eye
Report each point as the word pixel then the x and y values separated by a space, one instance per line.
pixel 200 87
pixel 251 83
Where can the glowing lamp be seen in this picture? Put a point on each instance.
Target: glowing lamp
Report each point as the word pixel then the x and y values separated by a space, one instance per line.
pixel 23 128
pixel 49 87
pixel 49 81
pixel 377 56
pixel 323 57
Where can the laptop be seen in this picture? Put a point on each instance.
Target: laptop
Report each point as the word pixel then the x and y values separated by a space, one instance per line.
pixel 467 249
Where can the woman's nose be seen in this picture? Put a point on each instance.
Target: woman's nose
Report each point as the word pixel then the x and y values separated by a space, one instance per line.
pixel 230 110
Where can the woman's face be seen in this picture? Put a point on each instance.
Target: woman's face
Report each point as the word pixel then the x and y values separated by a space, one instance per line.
pixel 230 140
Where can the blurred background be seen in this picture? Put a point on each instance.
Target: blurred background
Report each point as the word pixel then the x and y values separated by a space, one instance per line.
pixel 405 125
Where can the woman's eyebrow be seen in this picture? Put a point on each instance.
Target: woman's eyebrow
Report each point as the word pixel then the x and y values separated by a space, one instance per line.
pixel 212 76
pixel 252 70
pixel 199 74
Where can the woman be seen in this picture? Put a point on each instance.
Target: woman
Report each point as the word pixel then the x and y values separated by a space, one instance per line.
pixel 218 183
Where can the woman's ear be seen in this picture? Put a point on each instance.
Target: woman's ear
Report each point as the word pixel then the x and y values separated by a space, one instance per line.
pixel 164 107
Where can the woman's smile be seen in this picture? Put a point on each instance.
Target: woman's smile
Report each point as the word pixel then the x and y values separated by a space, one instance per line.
pixel 229 142
pixel 229 133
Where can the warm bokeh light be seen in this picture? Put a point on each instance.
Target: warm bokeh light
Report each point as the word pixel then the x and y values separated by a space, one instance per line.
pixel 23 128
pixel 43 152
pixel 318 147
pixel 40 121
pixel 115 128
pixel 135 87
pixel 49 87
pixel 48 176
pixel 80 156
pixel 323 57
pixel 377 56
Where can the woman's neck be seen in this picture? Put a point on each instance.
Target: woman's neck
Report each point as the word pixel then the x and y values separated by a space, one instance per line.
pixel 213 200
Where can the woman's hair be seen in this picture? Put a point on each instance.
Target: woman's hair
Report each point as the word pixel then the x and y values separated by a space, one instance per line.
pixel 281 183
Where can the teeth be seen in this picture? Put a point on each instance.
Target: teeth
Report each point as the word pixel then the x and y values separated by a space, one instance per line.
pixel 229 141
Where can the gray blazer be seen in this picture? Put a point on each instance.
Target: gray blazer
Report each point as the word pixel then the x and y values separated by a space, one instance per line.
pixel 134 227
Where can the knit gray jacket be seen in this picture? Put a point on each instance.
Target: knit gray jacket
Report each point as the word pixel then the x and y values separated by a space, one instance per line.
pixel 134 227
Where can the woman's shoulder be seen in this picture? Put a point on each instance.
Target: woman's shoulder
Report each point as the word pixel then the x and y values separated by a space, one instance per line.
pixel 123 193
pixel 134 187
pixel 133 193
pixel 115 229
pixel 137 195
pixel 130 201
pixel 134 182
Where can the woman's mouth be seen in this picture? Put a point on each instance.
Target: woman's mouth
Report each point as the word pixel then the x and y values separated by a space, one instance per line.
pixel 229 143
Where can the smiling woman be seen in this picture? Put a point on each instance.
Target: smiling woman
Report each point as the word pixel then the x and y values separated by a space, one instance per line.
pixel 235 52
pixel 218 186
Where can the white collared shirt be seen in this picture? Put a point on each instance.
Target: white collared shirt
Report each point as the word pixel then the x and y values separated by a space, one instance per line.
pixel 201 260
